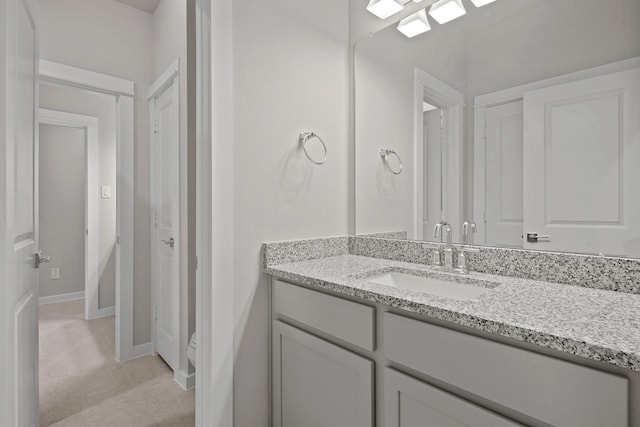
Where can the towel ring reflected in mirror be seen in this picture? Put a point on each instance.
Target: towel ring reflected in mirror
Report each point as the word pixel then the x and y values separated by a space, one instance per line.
pixel 304 138
pixel 385 153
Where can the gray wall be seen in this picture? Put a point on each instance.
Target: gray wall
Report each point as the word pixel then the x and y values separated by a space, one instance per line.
pixel 114 39
pixel 62 208
pixel 290 76
pixel 103 107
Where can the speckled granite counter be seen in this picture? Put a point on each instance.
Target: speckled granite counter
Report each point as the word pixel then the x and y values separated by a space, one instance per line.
pixel 596 324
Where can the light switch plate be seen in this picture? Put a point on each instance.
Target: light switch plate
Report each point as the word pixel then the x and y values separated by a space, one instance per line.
pixel 55 273
pixel 106 192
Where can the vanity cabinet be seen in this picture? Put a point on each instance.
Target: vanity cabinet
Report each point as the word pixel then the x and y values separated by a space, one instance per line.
pixel 336 362
pixel 412 403
pixel 317 382
pixel 545 388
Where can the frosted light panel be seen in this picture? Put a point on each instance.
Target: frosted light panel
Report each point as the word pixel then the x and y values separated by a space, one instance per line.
pixel 444 11
pixel 480 3
pixel 414 24
pixel 383 8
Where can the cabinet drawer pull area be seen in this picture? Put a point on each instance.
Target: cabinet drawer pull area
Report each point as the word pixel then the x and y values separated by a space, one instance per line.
pixel 551 390
pixel 345 320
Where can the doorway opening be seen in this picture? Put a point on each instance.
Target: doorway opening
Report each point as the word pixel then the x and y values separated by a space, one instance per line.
pixel 70 208
pixel 438 155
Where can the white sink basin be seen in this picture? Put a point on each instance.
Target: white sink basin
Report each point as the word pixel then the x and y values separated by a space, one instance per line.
pixel 430 285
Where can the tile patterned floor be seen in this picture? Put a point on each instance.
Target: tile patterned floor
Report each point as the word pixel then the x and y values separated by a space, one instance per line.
pixel 81 384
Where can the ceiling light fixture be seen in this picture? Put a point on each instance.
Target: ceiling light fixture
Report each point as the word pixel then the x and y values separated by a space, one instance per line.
pixel 414 24
pixel 480 3
pixel 444 11
pixel 383 8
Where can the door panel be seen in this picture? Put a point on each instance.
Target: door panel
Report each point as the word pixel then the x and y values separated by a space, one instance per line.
pixel 581 177
pixel 165 184
pixel 18 216
pixel 318 384
pixel 504 216
pixel 432 209
pixel 409 402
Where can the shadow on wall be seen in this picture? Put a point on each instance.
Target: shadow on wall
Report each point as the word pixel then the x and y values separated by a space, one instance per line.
pixel 296 172
pixel 107 279
pixel 386 183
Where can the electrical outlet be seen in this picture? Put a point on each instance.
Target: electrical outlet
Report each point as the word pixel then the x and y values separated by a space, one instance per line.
pixel 55 273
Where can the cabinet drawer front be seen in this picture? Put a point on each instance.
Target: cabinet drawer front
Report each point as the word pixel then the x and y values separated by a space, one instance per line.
pixel 552 390
pixel 318 384
pixel 411 403
pixel 346 320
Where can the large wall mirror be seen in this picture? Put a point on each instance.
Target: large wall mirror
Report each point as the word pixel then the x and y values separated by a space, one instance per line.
pixel 517 123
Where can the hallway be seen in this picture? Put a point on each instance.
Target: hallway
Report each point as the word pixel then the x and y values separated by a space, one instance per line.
pixel 81 384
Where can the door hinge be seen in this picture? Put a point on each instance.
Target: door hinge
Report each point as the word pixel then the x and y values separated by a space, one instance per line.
pixel 485 216
pixel 485 131
pixel 155 313
pixel 196 263
pixel 155 126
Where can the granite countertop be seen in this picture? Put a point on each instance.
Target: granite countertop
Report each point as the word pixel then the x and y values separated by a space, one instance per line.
pixel 596 324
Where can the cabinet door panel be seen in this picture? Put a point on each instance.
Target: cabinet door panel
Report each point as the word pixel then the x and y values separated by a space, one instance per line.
pixel 413 403
pixel 318 384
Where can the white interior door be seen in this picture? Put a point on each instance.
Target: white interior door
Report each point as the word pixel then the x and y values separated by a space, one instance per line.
pixel 503 209
pixel 581 177
pixel 18 215
pixel 166 242
pixel 432 175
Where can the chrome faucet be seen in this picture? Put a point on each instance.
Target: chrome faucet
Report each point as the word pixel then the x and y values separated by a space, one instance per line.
pixel 437 231
pixel 465 230
pixel 448 251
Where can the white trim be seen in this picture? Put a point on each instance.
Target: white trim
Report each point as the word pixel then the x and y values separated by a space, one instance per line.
pixel 214 182
pixel 169 80
pixel 165 80
pixel 185 381
pixel 89 125
pixel 482 102
pixel 105 312
pixel 141 350
pixel 73 76
pixel 451 100
pixel 52 299
pixel 123 91
pixel 516 93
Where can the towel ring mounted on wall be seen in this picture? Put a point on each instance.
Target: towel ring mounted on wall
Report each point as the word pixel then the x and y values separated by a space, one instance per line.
pixel 304 138
pixel 385 153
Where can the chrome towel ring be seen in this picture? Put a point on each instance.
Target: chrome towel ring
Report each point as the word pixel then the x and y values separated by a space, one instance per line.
pixel 304 138
pixel 385 153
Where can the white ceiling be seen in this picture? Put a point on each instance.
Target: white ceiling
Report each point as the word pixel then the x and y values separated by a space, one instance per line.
pixel 145 5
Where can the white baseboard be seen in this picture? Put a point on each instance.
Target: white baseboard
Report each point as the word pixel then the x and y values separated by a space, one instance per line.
pixel 142 350
pixel 61 298
pixel 185 381
pixel 104 312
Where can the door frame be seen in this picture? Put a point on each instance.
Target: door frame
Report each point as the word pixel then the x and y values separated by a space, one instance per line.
pixel 480 105
pixel 123 90
pixel 214 194
pixel 89 124
pixel 170 77
pixel 437 93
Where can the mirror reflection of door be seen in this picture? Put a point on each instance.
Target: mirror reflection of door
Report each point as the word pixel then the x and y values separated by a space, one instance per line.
pixel 433 133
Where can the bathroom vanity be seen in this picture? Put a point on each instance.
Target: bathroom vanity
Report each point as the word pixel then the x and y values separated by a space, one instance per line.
pixel 350 350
